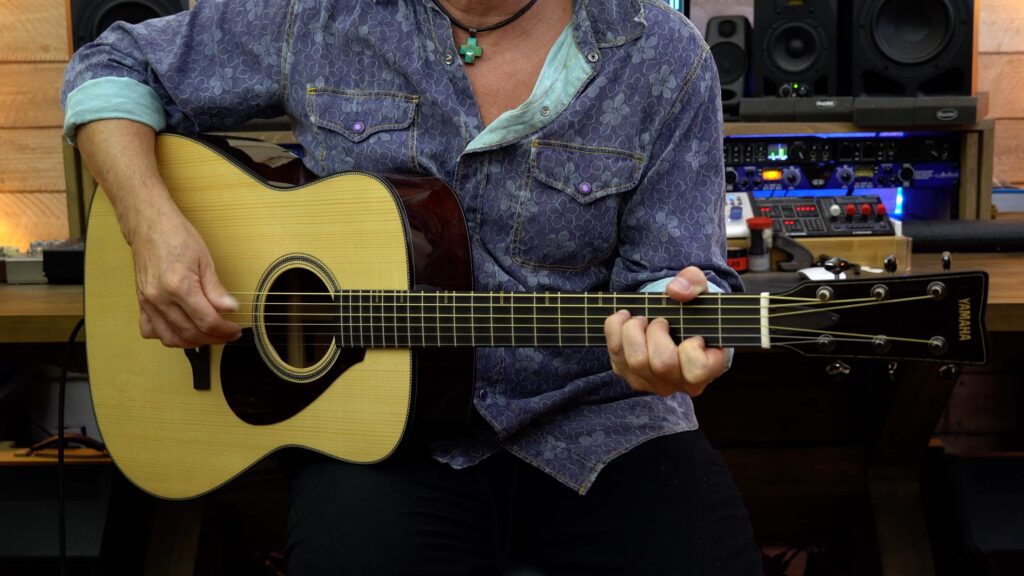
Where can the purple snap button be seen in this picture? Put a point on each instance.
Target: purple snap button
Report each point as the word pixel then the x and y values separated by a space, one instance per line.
pixel 585 188
pixel 358 127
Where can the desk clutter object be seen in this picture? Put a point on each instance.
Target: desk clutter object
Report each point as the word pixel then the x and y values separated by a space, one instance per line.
pixel 51 261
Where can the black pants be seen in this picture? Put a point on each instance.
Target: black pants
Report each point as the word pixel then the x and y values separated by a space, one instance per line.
pixel 668 507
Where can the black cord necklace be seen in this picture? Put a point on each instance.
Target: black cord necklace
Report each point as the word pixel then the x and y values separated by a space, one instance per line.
pixel 471 50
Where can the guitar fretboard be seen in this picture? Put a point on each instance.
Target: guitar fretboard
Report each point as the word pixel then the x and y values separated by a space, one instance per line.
pixel 382 319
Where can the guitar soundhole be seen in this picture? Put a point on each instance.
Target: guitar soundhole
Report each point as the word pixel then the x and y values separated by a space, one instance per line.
pixel 300 318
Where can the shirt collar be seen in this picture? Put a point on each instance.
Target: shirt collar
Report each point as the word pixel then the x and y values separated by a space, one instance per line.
pixel 611 22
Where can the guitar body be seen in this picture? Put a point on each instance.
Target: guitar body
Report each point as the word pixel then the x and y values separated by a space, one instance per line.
pixel 178 437
pixel 360 322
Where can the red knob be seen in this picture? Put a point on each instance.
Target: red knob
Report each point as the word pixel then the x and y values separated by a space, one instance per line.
pixel 881 211
pixel 851 210
pixel 865 210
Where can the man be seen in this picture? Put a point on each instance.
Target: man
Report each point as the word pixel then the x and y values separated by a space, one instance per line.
pixel 584 142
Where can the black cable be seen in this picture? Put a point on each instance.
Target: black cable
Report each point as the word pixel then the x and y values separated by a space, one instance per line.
pixel 61 521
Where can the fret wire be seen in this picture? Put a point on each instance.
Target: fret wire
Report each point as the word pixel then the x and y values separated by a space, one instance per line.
pixel 558 306
pixel 719 321
pixel 512 318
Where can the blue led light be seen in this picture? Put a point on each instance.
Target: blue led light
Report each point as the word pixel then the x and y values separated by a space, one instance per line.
pixel 899 201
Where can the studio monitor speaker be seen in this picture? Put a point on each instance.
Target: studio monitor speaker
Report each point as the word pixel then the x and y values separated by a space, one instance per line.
pixel 795 48
pixel 729 38
pixel 87 19
pixel 914 47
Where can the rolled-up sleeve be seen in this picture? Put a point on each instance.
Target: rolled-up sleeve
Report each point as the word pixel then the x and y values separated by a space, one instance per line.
pixel 212 67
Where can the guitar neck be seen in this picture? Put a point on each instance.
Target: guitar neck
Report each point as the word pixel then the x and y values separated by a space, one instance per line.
pixel 381 318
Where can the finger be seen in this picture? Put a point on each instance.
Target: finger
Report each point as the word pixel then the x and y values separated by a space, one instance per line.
pixel 162 330
pixel 203 316
pixel 613 339
pixel 145 324
pixel 214 290
pixel 700 365
pixel 634 346
pixel 663 357
pixel 182 324
pixel 688 284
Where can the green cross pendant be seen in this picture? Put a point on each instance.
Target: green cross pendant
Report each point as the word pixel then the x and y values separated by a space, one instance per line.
pixel 470 50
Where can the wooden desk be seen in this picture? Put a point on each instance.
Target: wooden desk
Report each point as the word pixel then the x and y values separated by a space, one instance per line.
pixel 38 313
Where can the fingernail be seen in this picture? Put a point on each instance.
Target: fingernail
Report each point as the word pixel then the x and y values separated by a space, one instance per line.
pixel 230 301
pixel 680 284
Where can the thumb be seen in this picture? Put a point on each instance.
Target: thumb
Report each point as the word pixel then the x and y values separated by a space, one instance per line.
pixel 214 290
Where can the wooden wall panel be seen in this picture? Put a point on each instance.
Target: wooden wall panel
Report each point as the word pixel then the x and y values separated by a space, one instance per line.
pixel 30 95
pixel 1002 26
pixel 32 216
pixel 33 31
pixel 1001 74
pixel 31 160
pixel 1009 157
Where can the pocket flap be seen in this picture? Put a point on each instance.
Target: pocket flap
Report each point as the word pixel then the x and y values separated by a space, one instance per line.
pixel 586 173
pixel 358 114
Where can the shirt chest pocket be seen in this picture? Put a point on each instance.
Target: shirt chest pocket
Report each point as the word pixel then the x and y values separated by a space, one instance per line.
pixel 372 131
pixel 569 210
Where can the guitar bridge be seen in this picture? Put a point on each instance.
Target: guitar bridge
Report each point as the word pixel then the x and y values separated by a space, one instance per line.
pixel 199 358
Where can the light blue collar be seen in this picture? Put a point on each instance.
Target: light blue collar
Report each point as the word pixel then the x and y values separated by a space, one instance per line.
pixel 564 73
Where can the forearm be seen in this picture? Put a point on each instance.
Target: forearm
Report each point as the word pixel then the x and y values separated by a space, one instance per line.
pixel 121 155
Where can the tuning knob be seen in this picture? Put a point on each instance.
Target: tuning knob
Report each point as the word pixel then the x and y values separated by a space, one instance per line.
pixel 947 261
pixel 890 264
pixel 837 266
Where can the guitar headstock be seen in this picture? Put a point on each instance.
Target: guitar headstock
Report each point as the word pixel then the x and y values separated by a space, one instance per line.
pixel 939 317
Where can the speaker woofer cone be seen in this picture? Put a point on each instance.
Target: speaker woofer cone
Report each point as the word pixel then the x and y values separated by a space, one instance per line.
pixel 731 61
pixel 794 47
pixel 912 31
pixel 130 12
pixel 90 18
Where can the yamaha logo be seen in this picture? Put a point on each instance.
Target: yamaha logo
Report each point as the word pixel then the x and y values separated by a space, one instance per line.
pixel 825 104
pixel 965 319
pixel 947 115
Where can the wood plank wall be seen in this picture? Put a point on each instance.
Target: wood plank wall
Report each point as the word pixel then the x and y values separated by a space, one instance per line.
pixel 33 53
pixel 1001 74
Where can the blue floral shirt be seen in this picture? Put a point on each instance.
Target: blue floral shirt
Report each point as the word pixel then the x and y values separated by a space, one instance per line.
pixel 609 177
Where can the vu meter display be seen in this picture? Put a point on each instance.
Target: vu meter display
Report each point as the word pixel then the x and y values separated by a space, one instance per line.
pixel 778 152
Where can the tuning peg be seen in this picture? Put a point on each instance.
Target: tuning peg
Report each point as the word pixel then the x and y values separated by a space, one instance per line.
pixel 837 266
pixel 894 367
pixel 949 372
pixel 890 264
pixel 947 261
pixel 838 368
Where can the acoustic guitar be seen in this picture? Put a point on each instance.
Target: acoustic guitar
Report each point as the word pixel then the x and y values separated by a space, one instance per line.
pixel 360 320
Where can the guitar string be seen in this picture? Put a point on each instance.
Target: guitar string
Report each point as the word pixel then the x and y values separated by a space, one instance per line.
pixel 826 307
pixel 752 340
pixel 436 334
pixel 480 295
